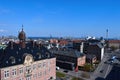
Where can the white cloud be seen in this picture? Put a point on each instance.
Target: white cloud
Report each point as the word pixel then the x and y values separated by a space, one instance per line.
pixel 2 30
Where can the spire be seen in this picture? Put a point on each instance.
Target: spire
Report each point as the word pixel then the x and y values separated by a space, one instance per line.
pixel 22 27
pixel 22 35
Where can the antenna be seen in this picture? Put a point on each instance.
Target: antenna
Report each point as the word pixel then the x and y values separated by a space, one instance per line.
pixel 22 27
pixel 106 34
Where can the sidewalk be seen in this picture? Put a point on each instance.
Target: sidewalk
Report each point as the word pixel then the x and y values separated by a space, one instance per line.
pixel 74 74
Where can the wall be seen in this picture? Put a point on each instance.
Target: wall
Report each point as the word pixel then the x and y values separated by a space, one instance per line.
pixel 81 61
pixel 47 70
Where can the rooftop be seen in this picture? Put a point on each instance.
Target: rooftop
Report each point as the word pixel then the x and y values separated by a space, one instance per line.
pixel 38 52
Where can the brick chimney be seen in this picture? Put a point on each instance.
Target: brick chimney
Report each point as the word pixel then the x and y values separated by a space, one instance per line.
pixel 11 44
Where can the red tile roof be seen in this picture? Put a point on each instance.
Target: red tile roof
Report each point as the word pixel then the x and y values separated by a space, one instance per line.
pixel 77 40
pixel 114 41
pixel 63 42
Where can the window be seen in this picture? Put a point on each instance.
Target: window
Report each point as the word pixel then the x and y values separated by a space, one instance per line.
pixel 39 65
pixel 39 55
pixel 48 69
pixel 12 59
pixel 14 72
pixel 45 72
pixel 35 76
pixel 39 74
pixel 21 79
pixel 28 78
pixel 16 52
pixel 44 64
pixel 7 62
pixel 19 59
pixel 21 70
pixel 48 63
pixel 34 66
pixel 28 69
pixel 47 55
pixel 6 74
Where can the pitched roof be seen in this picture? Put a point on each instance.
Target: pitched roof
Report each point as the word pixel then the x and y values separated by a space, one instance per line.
pixel 68 52
pixel 17 52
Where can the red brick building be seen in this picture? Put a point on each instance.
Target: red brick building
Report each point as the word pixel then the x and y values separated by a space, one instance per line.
pixel 114 43
pixel 26 61
pixel 69 58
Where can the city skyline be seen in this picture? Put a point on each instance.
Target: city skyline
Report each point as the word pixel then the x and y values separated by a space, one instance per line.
pixel 60 18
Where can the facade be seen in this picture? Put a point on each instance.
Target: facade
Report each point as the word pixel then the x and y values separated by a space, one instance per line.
pixel 39 70
pixel 114 43
pixel 94 47
pixel 91 58
pixel 26 60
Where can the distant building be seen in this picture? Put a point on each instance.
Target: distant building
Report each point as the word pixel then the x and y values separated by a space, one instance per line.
pixel 94 47
pixel 26 61
pixel 77 44
pixel 114 43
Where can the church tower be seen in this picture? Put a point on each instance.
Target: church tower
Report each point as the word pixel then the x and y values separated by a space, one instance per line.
pixel 22 37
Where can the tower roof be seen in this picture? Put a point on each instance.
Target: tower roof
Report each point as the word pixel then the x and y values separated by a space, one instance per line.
pixel 22 35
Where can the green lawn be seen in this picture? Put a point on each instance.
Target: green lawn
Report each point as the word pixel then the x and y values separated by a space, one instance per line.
pixel 59 74
pixel 74 78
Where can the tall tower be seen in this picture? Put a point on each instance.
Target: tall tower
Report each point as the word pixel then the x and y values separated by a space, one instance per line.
pixel 107 42
pixel 106 34
pixel 22 37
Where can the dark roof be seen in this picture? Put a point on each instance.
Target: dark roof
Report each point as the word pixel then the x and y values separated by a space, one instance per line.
pixel 90 56
pixel 18 53
pixel 68 52
pixel 100 45
pixel 114 74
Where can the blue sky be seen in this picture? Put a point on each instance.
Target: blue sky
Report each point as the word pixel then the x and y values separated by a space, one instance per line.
pixel 61 18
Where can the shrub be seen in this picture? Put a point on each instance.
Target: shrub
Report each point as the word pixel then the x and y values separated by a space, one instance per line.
pixel 58 74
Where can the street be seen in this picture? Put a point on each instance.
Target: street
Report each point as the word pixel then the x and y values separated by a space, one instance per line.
pixel 105 66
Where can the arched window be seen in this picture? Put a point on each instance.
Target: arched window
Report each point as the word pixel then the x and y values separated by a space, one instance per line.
pixel 38 55
pixel 12 59
pixel 47 55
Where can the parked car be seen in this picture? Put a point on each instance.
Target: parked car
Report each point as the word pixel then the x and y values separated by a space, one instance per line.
pixel 101 71
pixel 57 68
pixel 66 71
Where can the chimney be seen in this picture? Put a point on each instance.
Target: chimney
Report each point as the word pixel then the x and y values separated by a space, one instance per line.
pixel 11 44
pixel 22 43
pixel 81 47
pixel 33 43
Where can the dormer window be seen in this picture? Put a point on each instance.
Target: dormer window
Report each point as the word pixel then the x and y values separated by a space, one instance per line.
pixel 7 62
pixel 19 59
pixel 16 52
pixel 12 59
pixel 47 55
pixel 32 51
pixel 19 48
pixel 39 55
pixel 34 57
pixel 27 47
